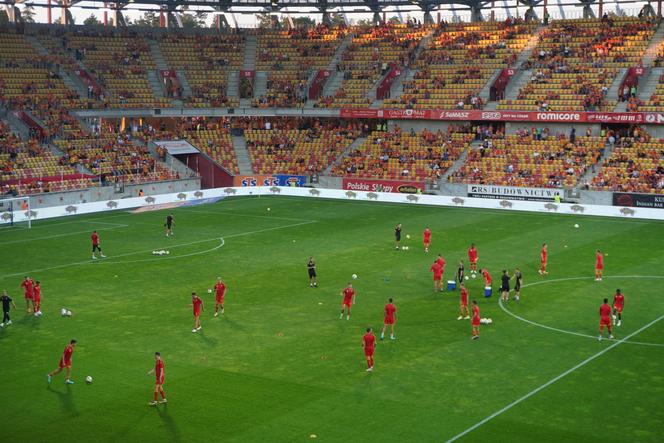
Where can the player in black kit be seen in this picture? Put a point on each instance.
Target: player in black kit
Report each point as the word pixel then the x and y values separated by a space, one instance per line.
pixel 397 235
pixel 517 285
pixel 461 271
pixel 169 225
pixel 505 286
pixel 311 268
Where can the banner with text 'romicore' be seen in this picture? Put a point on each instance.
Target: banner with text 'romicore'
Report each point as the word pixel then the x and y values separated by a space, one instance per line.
pixel 513 193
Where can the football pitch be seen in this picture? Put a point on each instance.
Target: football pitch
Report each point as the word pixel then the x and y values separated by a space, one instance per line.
pixel 280 366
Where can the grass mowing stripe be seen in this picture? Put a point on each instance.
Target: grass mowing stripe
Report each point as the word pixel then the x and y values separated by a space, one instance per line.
pixel 553 380
pixel 61 235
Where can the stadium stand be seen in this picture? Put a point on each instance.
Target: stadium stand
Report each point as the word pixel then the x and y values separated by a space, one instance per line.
pixel 403 155
pixel 368 57
pixel 531 159
pixel 290 57
pixel 459 61
pixel 635 165
pixel 290 146
pixel 576 61
pixel 206 61
pixel 120 62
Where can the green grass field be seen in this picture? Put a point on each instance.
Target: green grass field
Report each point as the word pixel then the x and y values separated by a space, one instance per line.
pixel 281 367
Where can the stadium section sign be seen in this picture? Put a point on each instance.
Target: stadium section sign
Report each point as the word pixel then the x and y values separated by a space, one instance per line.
pixel 638 200
pixel 175 147
pixel 513 193
pixel 403 187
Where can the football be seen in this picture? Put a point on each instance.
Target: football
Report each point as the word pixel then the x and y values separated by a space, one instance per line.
pixel 474 275
pixel 209 291
pixel 88 379
pixel 576 225
pixel 407 235
pixel 354 276
pixel 466 277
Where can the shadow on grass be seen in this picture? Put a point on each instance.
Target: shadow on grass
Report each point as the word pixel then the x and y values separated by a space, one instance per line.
pixel 209 341
pixel 169 423
pixel 233 324
pixel 66 398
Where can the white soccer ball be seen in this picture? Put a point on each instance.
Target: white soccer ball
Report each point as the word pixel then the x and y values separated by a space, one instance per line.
pixel 408 236
pixel 354 276
pixel 68 313
pixel 167 252
pixel 466 277
pixel 489 320
pixel 474 275
pixel 209 291
pixel 576 225
pixel 407 248
pixel 403 248
pixel 63 312
pixel 88 379
pixel 268 209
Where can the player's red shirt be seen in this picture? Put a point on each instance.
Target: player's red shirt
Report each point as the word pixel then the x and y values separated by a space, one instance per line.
pixel 390 309
pixel 437 270
pixel 472 255
pixel 441 261
pixel 66 355
pixel 618 301
pixel 159 370
pixel 476 311
pixel 427 236
pixel 348 295
pixel 197 302
pixel 369 340
pixel 487 277
pixel 220 289
pixel 605 310
pixel 543 255
pixel 464 296
pixel 95 238
pixel 599 260
pixel 36 291
pixel 27 286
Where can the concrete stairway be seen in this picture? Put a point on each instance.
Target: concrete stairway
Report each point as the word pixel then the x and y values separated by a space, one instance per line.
pixel 355 145
pixel 592 172
pixel 339 53
pixel 156 85
pixel 186 87
pixel 250 49
pixel 333 83
pixel 518 81
pixel 233 85
pixel 648 83
pixel 528 49
pixel 651 51
pixel 160 63
pixel 614 89
pixel 260 84
pixel 19 128
pixel 242 155
pixel 485 92
pixel 457 164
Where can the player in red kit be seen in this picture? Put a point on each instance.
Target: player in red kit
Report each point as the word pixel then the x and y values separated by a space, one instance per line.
pixel 605 319
pixel 618 304
pixel 160 376
pixel 544 254
pixel 437 276
pixel 463 303
pixel 197 304
pixel 65 363
pixel 475 321
pixel 219 293
pixel 427 239
pixel 349 299
pixel 599 265
pixel 36 299
pixel 28 292
pixel 390 319
pixel 369 345
pixel 95 245
pixel 472 258
pixel 487 277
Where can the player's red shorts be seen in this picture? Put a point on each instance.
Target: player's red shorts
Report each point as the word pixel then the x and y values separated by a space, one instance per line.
pixel 605 321
pixel 28 296
pixel 464 303
pixel 427 243
pixel 197 313
pixel 473 261
pixel 618 308
pixel 37 300
pixel 347 303
pixel 476 321
pixel 369 352
pixel 389 320
pixel 437 277
pixel 160 380
pixel 65 364
pixel 219 299
pixel 599 267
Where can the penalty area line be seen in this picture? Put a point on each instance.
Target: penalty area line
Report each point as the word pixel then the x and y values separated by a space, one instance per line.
pixel 552 381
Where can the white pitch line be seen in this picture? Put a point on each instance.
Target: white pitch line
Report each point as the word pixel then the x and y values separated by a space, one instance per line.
pixel 109 260
pixel 62 235
pixel 552 381
pixel 579 334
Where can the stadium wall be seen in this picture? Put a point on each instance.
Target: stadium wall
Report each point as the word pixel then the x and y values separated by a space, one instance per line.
pixel 173 200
